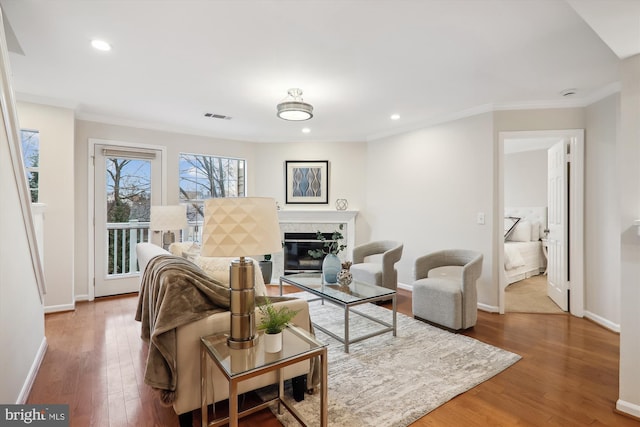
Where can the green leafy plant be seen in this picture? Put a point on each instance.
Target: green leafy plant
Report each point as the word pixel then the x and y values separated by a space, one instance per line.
pixel 332 246
pixel 274 320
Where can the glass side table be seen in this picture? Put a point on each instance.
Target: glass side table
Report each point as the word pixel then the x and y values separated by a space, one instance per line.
pixel 243 364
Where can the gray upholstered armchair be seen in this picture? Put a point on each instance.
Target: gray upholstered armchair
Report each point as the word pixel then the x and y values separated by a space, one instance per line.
pixel 448 298
pixel 377 272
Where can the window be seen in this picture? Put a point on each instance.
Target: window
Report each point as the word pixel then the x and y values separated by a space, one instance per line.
pixel 204 177
pixel 30 141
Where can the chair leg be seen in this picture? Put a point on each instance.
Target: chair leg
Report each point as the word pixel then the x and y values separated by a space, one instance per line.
pixel 186 419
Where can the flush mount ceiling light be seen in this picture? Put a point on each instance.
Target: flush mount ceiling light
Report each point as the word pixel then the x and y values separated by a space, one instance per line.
pixel 294 108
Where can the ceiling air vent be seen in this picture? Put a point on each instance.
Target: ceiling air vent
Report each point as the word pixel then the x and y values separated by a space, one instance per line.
pixel 217 116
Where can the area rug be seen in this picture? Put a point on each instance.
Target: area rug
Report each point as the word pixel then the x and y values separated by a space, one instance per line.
pixel 393 381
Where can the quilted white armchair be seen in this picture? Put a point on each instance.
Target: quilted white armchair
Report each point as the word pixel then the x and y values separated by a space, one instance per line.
pixel 374 263
pixel 449 299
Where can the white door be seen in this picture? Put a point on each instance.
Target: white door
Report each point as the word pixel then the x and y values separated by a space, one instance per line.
pixel 558 185
pixel 127 182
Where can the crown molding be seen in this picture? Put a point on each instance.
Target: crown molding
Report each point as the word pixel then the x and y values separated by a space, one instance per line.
pixel 595 96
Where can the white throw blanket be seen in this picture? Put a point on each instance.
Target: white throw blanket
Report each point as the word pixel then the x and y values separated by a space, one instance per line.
pixel 512 257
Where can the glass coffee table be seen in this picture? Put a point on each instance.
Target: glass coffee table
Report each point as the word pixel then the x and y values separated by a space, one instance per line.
pixel 354 294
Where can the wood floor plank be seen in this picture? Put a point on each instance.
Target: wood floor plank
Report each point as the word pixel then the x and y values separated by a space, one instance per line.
pixel 568 374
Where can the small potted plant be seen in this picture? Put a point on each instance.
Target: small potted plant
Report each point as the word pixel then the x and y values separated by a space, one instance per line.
pixel 330 249
pixel 273 322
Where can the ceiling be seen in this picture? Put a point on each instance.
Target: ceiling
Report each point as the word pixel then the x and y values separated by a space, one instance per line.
pixel 357 61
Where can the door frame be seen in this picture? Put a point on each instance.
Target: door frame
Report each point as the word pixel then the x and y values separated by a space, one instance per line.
pixel 91 195
pixel 575 220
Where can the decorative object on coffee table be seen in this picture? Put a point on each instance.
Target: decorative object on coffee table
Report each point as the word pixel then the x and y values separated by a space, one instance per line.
pixel 344 276
pixel 330 249
pixel 330 268
pixel 273 323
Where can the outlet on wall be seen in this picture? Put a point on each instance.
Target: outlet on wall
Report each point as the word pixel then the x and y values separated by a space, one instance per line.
pixel 480 219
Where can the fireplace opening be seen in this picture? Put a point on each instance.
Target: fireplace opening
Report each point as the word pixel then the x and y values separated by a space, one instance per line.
pixel 296 252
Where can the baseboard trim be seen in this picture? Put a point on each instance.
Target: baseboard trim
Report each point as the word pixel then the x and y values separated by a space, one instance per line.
pixel 627 408
pixel 33 372
pixel 58 308
pixel 488 308
pixel 405 287
pixel 602 321
pixel 82 298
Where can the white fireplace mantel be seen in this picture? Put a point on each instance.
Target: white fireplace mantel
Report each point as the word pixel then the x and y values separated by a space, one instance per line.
pixel 323 217
pixel 317 216
pixel 311 221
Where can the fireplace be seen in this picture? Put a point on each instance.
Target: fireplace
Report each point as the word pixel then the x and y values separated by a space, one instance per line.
pixel 296 252
pixel 309 222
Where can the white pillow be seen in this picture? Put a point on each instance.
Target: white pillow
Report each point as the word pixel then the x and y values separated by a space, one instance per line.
pixel 535 231
pixel 218 269
pixel 522 232
pixel 178 248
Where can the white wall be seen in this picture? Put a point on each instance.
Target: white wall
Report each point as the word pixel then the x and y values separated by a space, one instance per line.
pixel 602 214
pixel 628 160
pixel 21 313
pixel 57 175
pixel 22 340
pixel 525 178
pixel 425 188
pixel 347 174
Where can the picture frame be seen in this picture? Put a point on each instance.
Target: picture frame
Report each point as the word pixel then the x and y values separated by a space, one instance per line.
pixel 510 223
pixel 307 181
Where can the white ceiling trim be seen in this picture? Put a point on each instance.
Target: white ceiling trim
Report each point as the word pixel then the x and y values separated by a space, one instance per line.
pixel 470 112
pixel 43 100
pixel 487 108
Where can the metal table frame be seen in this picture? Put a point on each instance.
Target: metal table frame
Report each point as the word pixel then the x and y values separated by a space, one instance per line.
pixel 208 352
pixel 348 307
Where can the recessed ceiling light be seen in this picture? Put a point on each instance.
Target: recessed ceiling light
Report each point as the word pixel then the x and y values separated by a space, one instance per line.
pixel 306 130
pixel 100 45
pixel 395 116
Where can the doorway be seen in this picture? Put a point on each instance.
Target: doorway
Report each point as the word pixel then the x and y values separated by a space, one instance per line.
pixel 127 180
pixel 572 270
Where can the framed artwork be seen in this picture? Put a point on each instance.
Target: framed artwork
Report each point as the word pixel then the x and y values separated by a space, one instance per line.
pixel 307 181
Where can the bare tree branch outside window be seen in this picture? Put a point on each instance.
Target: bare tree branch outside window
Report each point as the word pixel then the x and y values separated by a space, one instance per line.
pixel 204 177
pixel 30 143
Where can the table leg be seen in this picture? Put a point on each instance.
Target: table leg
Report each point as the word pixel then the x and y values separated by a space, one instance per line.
pixel 280 389
pixel 233 404
pixel 346 329
pixel 394 315
pixel 203 387
pixel 324 386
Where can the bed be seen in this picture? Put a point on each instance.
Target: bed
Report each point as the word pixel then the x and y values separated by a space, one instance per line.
pixel 523 251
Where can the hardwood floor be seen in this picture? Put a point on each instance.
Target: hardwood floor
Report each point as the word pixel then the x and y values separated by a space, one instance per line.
pixel 568 375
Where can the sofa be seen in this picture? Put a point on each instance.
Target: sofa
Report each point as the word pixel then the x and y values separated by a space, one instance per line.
pixel 186 396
